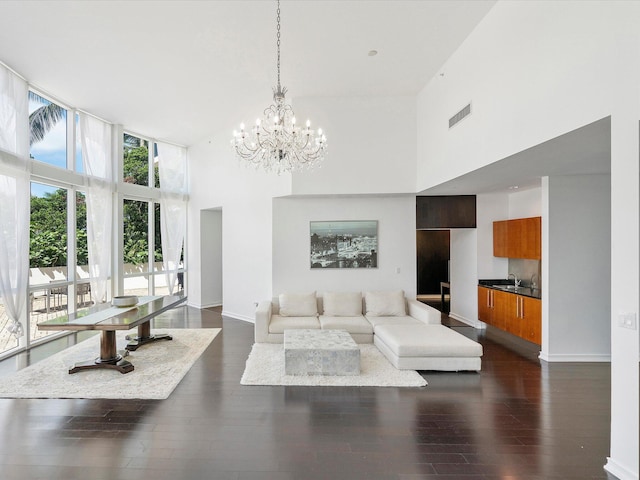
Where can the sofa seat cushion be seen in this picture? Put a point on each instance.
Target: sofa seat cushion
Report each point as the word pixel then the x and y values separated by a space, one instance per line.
pixel 357 324
pixel 399 320
pixel 279 323
pixel 427 341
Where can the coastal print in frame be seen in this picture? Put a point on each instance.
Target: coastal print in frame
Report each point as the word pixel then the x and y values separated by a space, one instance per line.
pixel 344 244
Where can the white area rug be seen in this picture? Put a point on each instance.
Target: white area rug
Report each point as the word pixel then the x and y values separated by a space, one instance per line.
pixel 265 366
pixel 158 368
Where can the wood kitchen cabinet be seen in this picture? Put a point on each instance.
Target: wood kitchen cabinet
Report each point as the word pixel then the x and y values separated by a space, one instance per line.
pixel 531 319
pixel 500 242
pixel 519 238
pixel 485 305
pixel 494 307
pixel 501 308
pixel 517 314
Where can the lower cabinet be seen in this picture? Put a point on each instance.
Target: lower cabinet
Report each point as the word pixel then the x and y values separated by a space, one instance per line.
pixel 516 314
pixel 485 305
pixel 531 317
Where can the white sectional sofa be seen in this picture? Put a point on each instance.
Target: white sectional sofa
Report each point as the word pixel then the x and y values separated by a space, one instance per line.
pixel 407 332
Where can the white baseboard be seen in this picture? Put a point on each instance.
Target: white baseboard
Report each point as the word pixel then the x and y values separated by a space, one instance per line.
pixel 237 316
pixel 575 357
pixel 472 323
pixel 212 305
pixel 196 305
pixel 619 471
pixel 225 313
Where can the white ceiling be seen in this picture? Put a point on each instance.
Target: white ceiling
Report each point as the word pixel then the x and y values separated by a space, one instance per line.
pixel 182 71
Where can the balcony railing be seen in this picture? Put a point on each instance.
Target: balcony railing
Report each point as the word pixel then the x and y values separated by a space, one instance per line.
pixel 49 297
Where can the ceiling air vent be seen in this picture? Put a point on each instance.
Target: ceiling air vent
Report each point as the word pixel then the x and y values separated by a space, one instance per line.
pixel 460 115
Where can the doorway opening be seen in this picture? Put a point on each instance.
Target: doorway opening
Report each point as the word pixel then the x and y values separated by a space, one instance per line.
pixel 433 255
pixel 211 257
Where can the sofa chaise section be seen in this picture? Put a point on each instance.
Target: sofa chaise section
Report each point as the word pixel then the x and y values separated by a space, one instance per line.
pixel 427 347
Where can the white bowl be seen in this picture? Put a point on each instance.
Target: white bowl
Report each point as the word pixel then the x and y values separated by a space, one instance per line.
pixel 124 301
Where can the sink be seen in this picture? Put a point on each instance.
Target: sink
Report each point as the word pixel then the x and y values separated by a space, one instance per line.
pixel 506 287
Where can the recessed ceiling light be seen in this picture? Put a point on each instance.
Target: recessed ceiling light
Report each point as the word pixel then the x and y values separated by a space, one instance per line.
pixel 373 53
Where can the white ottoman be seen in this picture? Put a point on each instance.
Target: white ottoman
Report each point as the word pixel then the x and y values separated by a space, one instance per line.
pixel 427 347
pixel 320 352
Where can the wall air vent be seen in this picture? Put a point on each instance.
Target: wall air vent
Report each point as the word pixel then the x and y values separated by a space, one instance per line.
pixel 460 115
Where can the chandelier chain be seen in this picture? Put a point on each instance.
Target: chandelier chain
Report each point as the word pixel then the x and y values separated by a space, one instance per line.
pixel 278 43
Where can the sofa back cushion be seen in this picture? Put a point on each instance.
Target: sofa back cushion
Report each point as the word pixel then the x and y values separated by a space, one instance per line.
pixel 298 304
pixel 342 304
pixel 385 304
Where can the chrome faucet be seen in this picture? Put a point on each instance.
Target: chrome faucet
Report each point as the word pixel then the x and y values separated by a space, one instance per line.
pixel 516 281
pixel 534 284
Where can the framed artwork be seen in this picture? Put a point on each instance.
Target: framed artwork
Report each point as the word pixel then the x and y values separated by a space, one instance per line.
pixel 344 244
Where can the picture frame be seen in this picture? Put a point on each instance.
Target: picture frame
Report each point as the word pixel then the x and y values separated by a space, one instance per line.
pixel 343 244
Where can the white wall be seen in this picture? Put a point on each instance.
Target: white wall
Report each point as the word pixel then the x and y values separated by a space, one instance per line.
pixel 210 257
pixel 354 164
pixel 525 203
pixel 523 92
pixel 371 145
pixel 533 71
pixel 464 276
pixel 217 180
pixel 578 294
pixel 490 208
pixel 396 216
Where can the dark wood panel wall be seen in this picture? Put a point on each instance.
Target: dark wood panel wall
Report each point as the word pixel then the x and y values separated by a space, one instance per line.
pixel 446 211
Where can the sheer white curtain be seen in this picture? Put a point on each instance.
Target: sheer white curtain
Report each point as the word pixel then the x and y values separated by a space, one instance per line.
pixel 14 197
pixel 96 157
pixel 172 166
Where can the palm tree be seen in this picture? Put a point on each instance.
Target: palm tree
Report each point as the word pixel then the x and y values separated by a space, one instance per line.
pixel 44 118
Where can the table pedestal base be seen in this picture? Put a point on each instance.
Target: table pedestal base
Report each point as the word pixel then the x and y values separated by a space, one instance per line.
pixel 109 358
pixel 144 337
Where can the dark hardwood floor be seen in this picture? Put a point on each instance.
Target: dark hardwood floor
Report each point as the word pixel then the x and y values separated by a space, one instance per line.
pixel 516 420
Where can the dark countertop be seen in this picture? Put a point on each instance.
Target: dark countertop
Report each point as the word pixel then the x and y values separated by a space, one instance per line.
pixel 508 286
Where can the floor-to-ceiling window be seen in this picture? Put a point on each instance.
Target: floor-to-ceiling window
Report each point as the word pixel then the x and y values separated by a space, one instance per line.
pixel 48 263
pixel 58 255
pixel 142 241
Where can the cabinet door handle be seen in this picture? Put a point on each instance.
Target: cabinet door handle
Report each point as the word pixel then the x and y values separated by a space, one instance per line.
pixel 520 307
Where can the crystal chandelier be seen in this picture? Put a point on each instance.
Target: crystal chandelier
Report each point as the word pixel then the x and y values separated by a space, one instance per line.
pixel 277 143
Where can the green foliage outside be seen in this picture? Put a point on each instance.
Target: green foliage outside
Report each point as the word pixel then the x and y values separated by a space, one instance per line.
pixel 135 169
pixel 48 229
